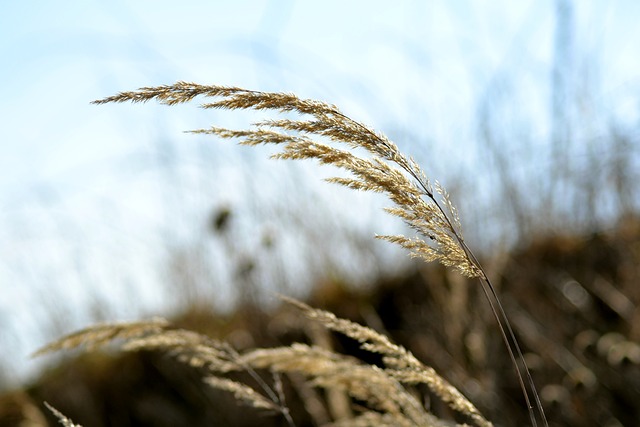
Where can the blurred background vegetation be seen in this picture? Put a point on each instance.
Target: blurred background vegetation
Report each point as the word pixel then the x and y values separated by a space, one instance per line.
pixel 527 114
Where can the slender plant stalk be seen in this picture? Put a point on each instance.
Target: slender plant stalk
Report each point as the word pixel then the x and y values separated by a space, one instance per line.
pixel 434 219
pixel 490 293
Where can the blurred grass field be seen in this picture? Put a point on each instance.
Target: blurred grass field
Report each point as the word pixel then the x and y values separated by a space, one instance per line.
pixel 573 300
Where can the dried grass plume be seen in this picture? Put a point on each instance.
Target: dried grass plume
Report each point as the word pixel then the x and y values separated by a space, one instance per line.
pixel 321 132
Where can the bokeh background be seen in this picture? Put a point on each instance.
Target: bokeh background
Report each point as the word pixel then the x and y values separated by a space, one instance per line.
pixel 528 112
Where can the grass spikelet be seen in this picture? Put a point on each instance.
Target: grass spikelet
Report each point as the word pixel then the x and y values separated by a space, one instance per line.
pixel 66 422
pixel 402 364
pixel 100 335
pixel 366 383
pixel 194 349
pixel 242 393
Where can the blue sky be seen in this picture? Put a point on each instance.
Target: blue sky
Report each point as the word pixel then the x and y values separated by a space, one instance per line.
pixel 436 55
pixel 79 192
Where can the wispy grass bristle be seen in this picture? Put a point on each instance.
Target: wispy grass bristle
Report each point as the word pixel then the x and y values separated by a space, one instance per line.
pixel 242 393
pixel 99 335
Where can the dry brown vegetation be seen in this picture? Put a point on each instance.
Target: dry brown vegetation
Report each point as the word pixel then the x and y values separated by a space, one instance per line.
pixel 586 357
pixel 573 307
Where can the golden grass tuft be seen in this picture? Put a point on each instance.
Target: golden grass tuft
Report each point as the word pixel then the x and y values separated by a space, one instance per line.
pixel 100 335
pixel 386 171
pixel 381 389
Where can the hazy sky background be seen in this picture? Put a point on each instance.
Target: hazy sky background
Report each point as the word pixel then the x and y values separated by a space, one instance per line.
pixel 89 196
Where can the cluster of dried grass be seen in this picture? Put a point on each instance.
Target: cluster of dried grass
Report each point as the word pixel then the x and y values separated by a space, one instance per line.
pixel 381 389
pixel 426 208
